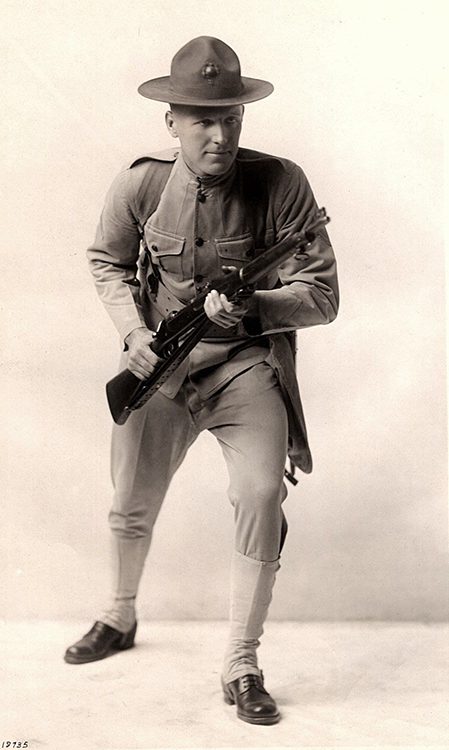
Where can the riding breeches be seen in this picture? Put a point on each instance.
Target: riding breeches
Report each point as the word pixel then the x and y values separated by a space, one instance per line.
pixel 249 420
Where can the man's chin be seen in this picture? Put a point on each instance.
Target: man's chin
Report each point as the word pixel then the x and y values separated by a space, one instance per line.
pixel 216 171
pixel 217 165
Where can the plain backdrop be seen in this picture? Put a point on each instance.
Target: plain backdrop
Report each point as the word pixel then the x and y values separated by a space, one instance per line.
pixel 358 102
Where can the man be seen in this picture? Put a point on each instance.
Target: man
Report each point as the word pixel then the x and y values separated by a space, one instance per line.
pixel 191 212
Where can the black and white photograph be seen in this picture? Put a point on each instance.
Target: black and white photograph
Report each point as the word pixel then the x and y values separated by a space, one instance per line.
pixel 224 376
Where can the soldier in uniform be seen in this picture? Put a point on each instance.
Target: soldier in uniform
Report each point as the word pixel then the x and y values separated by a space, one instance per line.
pixel 171 221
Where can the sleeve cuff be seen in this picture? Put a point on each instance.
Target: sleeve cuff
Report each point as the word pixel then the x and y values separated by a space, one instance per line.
pixel 126 318
pixel 273 311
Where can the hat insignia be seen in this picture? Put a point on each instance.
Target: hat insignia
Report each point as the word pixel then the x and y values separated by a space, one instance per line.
pixel 210 71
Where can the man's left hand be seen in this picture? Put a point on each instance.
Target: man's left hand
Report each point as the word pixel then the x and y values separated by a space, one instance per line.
pixel 223 312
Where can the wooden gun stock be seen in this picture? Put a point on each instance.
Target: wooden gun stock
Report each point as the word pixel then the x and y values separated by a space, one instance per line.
pixel 126 392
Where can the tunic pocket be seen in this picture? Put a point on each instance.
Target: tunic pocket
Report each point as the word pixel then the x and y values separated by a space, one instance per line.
pixel 167 252
pixel 235 251
pixel 239 251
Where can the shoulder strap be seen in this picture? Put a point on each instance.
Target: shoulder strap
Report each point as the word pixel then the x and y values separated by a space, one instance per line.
pixel 149 175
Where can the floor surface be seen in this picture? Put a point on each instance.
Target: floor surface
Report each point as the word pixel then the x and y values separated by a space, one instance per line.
pixel 337 685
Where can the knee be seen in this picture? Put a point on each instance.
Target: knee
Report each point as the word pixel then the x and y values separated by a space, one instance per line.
pixel 257 495
pixel 134 514
pixel 258 519
pixel 129 526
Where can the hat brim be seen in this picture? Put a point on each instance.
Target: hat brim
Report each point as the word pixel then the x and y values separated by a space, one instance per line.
pixel 160 90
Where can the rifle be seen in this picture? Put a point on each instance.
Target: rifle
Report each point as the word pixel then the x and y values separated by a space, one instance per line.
pixel 180 331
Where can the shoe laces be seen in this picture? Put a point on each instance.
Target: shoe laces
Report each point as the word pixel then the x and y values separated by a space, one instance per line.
pixel 249 681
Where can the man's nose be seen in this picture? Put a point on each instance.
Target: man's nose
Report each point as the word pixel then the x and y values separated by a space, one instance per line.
pixel 219 134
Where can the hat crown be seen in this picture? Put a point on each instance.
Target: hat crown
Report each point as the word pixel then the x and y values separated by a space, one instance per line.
pixel 205 72
pixel 206 67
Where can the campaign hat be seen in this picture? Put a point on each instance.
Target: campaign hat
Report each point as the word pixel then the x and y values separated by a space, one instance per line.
pixel 205 72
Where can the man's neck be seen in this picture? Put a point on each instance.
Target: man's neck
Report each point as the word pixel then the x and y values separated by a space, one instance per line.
pixel 206 179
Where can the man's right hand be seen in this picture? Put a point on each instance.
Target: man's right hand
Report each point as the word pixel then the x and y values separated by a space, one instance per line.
pixel 142 361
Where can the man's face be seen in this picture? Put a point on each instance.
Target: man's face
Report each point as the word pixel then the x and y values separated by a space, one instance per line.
pixel 209 136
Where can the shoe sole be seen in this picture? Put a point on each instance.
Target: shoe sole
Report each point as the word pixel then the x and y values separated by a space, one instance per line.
pixel 265 721
pixel 86 660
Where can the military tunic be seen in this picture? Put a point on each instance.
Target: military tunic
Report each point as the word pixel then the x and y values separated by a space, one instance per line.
pixel 195 228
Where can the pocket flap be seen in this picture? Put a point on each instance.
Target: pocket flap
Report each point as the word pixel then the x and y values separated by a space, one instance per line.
pixel 237 248
pixel 160 243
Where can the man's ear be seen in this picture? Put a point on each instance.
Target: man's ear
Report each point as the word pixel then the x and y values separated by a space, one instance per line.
pixel 170 123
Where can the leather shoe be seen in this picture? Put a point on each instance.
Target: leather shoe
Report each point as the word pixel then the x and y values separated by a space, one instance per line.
pixel 99 642
pixel 254 704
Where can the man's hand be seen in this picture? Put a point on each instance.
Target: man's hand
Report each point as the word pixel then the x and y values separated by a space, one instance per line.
pixel 223 312
pixel 141 361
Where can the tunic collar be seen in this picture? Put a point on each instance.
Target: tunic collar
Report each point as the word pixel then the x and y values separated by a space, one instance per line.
pixel 207 181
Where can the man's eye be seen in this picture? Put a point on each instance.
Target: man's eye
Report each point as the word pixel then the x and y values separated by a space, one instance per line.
pixel 206 123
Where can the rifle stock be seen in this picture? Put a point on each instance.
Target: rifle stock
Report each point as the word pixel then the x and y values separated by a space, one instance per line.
pixel 179 332
pixel 119 392
pixel 126 392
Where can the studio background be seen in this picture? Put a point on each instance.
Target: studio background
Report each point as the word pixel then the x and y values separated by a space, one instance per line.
pixel 358 103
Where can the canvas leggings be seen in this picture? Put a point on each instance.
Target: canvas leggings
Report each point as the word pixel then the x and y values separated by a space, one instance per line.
pixel 249 420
